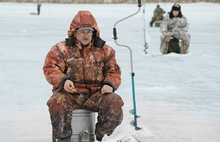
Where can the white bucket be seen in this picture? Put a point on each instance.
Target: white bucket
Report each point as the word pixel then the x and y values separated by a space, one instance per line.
pixel 82 120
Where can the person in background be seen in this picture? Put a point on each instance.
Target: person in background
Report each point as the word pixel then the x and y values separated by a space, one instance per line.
pixel 85 75
pixel 174 25
pixel 38 6
pixel 158 15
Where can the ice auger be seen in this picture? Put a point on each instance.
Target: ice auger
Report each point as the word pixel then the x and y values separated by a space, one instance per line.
pixel 133 111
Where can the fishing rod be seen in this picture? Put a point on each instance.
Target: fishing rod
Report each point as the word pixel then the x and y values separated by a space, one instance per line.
pixel 145 34
pixel 133 111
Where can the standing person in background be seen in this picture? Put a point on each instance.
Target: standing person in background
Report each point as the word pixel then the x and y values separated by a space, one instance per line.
pixel 83 64
pixel 38 6
pixel 174 25
pixel 158 15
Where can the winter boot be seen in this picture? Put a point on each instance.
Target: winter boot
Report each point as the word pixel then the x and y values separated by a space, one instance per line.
pixel 68 139
pixel 98 139
pixel 151 23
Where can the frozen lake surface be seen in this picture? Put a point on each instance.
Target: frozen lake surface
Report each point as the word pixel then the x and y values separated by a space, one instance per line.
pixel 178 96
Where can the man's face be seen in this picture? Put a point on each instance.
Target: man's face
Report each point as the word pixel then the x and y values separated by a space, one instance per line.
pixel 84 36
pixel 175 12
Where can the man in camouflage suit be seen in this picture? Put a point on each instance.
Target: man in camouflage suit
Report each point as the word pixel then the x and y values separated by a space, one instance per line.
pixel 158 15
pixel 83 64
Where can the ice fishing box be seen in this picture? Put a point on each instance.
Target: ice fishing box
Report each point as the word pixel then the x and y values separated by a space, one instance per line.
pixel 157 23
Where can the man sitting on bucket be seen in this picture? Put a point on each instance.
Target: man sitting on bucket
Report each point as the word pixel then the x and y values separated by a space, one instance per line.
pixel 175 25
pixel 83 65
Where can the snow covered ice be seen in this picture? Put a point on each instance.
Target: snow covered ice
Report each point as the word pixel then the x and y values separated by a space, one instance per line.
pixel 178 96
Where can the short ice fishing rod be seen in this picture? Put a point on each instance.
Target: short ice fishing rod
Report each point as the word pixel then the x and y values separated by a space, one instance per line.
pixel 145 33
pixel 133 112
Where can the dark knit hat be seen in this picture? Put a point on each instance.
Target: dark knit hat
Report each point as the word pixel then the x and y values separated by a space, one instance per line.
pixel 176 7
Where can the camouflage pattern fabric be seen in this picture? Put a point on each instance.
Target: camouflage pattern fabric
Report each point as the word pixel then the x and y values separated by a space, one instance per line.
pixel 109 108
pixel 158 15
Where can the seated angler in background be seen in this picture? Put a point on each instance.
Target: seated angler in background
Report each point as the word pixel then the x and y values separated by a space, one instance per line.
pixel 174 25
pixel 158 15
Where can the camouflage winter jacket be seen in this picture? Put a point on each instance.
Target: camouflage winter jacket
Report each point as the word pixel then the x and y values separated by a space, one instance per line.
pixel 158 14
pixel 174 25
pixel 89 68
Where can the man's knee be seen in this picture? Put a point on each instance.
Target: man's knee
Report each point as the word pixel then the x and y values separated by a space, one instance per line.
pixel 59 99
pixel 111 98
pixel 111 103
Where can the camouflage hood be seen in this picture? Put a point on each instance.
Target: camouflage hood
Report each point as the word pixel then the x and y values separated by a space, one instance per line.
pixel 82 19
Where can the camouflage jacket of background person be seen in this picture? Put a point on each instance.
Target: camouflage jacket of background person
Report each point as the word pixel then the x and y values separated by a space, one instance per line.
pixel 176 25
pixel 89 68
pixel 158 14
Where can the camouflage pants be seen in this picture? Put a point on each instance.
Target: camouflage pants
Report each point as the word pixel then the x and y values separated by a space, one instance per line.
pixel 185 37
pixel 160 18
pixel 109 108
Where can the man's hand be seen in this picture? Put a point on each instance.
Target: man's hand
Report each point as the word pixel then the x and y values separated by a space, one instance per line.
pixel 106 89
pixel 165 33
pixel 69 86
